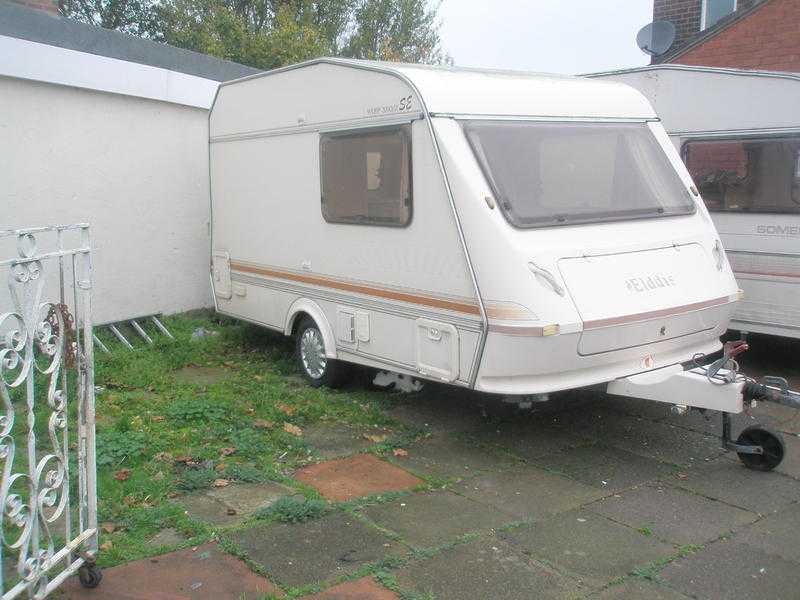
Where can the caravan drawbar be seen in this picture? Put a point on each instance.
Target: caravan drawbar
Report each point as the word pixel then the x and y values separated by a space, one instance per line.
pixel 513 233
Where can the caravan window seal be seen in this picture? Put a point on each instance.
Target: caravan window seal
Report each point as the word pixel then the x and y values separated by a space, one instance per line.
pixel 406 180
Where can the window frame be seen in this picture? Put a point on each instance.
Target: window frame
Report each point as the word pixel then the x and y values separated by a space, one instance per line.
pixel 704 10
pixel 405 130
pixel 739 138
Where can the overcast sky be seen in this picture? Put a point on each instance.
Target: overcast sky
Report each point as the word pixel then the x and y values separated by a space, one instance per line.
pixel 555 36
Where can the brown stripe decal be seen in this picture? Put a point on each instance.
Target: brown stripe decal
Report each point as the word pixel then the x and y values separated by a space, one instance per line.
pixel 445 304
pixel 655 314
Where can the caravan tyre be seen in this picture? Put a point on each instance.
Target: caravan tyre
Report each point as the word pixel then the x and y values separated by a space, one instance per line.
pixel 316 367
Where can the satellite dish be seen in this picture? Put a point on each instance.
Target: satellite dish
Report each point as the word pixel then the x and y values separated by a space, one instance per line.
pixel 656 38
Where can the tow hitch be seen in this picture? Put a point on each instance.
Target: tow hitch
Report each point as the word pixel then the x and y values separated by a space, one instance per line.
pixel 719 386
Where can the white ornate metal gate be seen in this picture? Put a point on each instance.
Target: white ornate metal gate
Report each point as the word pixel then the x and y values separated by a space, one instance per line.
pixel 46 384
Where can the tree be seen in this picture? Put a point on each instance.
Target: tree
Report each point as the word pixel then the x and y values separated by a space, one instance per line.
pixel 397 30
pixel 271 33
pixel 130 16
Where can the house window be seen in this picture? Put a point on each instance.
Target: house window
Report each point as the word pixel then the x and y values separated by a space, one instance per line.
pixel 366 176
pixel 747 175
pixel 713 10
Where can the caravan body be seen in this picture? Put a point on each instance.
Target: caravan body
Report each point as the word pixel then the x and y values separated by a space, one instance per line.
pixel 514 233
pixel 739 133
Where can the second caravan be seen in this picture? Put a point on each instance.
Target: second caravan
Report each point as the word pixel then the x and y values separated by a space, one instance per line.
pixel 739 133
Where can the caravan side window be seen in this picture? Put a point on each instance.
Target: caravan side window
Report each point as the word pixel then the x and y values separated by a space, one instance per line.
pixel 366 176
pixel 747 175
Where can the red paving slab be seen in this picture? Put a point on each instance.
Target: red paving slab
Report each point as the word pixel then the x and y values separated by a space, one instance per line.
pixel 202 573
pixel 356 476
pixel 360 589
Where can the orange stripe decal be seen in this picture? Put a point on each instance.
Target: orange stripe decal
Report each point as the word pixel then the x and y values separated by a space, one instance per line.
pixel 442 303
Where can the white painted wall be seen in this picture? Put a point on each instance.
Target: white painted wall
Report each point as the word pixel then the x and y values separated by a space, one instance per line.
pixel 133 167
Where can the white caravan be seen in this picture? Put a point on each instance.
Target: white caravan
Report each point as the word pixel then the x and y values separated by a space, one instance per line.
pixel 513 233
pixel 739 134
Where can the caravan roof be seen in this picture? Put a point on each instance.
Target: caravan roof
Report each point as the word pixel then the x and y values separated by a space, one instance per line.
pixel 694 100
pixel 466 91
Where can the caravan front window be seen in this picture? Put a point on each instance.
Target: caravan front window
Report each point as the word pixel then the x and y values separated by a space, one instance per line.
pixel 564 173
pixel 366 176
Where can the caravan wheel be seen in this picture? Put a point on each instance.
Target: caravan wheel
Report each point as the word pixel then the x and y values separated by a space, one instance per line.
pixel 317 368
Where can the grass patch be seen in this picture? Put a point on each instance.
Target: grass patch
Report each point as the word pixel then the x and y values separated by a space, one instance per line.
pixel 161 434
pixel 294 509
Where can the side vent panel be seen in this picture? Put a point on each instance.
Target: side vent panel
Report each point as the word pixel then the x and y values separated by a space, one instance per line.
pixel 345 326
pixel 437 350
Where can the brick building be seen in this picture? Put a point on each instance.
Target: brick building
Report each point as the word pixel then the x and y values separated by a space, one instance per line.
pixel 745 34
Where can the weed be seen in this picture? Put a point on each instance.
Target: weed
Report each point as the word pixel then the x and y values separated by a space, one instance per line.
pixel 192 410
pixel 196 479
pixel 293 509
pixel 245 473
pixel 114 447
pixel 645 531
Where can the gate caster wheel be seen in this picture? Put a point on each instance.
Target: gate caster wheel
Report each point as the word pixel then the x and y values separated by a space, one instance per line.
pixel 90 576
pixel 771 442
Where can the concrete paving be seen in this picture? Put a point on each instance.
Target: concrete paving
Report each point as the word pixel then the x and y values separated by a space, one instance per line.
pixel 356 476
pixel 203 573
pixel 315 551
pixel 591 548
pixel 489 569
pixel 586 496
pixel 232 504
pixel 734 570
pixel 677 516
pixel 365 588
pixel 435 518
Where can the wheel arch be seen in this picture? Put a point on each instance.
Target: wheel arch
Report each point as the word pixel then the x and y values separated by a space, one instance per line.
pixel 302 307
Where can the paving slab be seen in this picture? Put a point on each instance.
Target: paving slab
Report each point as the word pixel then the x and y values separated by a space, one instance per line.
pixel 531 437
pixel 604 467
pixel 635 588
pixel 678 516
pixel 167 537
pixel 232 504
pixel 526 492
pixel 485 570
pixel 361 475
pixel 444 456
pixel 200 376
pixel 365 588
pixel 636 407
pixel 733 483
pixel 791 460
pixel 334 440
pixel 588 546
pixel 441 408
pixel 430 519
pixel 733 570
pixel 202 573
pixel 777 534
pixel 314 551
pixel 661 441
